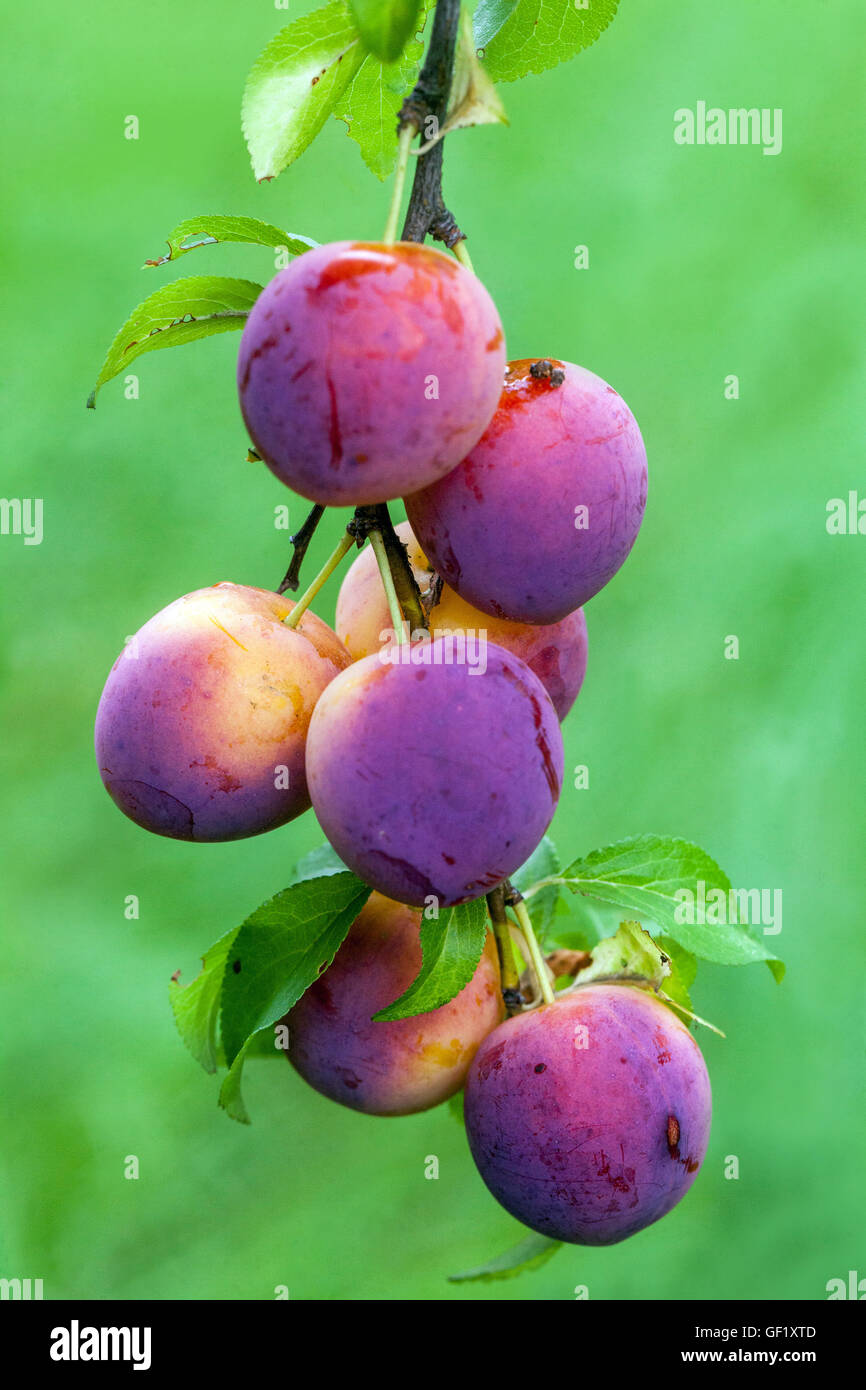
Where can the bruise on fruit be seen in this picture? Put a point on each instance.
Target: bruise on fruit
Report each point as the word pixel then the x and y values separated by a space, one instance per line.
pixel 673 1136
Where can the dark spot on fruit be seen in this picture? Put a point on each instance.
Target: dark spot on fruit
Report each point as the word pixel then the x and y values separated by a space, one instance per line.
pixel 449 859
pixel 673 1136
pixel 540 1066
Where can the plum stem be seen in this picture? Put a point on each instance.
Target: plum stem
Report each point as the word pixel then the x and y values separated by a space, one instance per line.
pixel 407 135
pixel 539 965
pixel 342 549
pixel 461 251
pixel 505 948
pixel 300 540
pixel 397 620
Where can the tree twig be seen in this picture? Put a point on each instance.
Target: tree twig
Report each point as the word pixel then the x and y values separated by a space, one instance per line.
pixel 427 213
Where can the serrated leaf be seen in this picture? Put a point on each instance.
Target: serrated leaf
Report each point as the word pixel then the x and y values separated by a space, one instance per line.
pixel 196 307
pixel 451 946
pixel 209 231
pixel 196 1006
pixel 532 1252
pixel 645 874
pixel 295 84
pixel 542 906
pixel 281 949
pixel 473 99
pixel 371 105
pixel 385 26
pixel 517 37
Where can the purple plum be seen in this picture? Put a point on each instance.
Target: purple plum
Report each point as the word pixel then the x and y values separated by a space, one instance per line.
pixel 434 776
pixel 589 1117
pixel 396 1067
pixel 544 510
pixel 367 371
pixel 201 728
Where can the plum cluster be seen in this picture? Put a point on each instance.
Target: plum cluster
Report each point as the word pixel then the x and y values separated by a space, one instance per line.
pixel 368 373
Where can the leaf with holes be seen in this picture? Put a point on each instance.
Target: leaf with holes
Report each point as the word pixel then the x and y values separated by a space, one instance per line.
pixel 194 232
pixel 179 313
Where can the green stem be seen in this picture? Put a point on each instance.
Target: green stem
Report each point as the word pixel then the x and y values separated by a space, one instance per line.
pixel 509 976
pixel 538 963
pixel 325 573
pixel 462 253
pixel 394 608
pixel 546 883
pixel 407 135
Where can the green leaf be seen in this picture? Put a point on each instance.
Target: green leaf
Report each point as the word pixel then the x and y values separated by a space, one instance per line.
pixel 652 877
pixel 455 1106
pixel 371 105
pixel 451 946
pixel 684 968
pixel 630 954
pixel 196 1006
pixel 385 25
pixel 179 313
pixel 542 863
pixel 532 1252
pixel 295 84
pixel 277 953
pixel 517 37
pixel 208 231
pixel 281 949
pixel 320 862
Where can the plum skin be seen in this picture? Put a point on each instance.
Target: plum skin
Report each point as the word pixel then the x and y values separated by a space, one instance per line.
pixel 205 703
pixel 395 1067
pixel 500 528
pixel 335 363
pixel 589 1145
pixel 556 652
pixel 431 781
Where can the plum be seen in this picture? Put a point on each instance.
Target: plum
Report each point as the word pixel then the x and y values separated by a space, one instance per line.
pixel 366 371
pixel 201 728
pixel 396 1067
pixel 544 510
pixel 589 1117
pixel 433 777
pixel 556 653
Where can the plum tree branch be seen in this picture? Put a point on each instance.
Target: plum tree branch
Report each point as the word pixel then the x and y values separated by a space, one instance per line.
pixel 428 102
pixel 300 540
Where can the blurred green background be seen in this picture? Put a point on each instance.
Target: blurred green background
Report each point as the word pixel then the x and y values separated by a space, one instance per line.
pixel 703 262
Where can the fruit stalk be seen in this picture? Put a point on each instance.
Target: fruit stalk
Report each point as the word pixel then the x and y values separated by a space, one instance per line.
pixel 342 548
pixel 515 901
pixel 510 979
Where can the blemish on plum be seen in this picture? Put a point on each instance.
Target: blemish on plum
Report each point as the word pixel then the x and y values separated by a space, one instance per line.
pixel 673 1136
pixel 540 1067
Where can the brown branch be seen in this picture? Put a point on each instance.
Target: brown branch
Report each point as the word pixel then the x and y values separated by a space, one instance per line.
pixel 427 213
pixel 300 540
